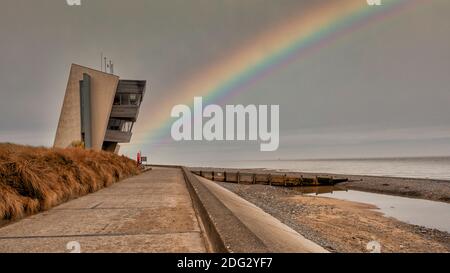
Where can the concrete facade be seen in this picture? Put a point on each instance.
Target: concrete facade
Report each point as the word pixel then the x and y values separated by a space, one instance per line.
pixel 103 89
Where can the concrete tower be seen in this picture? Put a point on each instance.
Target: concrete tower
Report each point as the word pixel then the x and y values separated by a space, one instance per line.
pixel 99 110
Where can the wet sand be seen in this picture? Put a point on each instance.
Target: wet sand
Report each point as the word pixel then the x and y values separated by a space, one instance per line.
pixel 341 226
pixel 429 189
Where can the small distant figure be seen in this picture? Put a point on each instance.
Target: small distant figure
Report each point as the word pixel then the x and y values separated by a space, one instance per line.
pixel 138 159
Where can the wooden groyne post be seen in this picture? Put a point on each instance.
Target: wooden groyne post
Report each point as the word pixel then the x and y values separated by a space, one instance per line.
pixel 273 179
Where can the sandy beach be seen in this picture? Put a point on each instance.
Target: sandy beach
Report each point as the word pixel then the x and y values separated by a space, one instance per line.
pixel 346 226
pixel 341 226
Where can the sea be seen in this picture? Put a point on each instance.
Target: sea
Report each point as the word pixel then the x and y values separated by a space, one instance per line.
pixel 414 167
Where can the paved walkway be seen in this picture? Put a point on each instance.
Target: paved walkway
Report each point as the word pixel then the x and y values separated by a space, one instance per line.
pixel 151 212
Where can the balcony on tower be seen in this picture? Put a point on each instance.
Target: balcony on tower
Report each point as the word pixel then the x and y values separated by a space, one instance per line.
pixel 124 113
pixel 128 99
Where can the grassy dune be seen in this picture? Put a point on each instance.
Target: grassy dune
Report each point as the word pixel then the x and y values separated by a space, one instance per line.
pixel 36 179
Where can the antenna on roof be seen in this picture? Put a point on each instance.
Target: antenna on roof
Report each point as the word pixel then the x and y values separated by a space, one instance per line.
pixel 107 64
pixel 110 67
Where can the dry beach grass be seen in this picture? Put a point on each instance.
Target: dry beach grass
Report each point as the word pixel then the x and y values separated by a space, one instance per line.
pixel 34 179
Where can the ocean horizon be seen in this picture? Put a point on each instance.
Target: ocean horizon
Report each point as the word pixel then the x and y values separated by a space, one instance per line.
pixel 437 167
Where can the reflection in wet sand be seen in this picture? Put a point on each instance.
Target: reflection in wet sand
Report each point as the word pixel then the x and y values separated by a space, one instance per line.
pixel 319 189
pixel 420 212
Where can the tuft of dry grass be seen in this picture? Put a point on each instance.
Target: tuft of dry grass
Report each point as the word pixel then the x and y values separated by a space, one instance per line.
pixel 34 179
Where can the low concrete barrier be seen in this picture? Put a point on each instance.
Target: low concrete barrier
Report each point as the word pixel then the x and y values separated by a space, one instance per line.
pixel 225 232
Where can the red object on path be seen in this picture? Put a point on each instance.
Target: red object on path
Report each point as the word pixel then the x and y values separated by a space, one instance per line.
pixel 139 158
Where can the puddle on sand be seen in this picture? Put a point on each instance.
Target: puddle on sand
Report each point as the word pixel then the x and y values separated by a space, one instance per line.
pixel 420 212
pixel 318 190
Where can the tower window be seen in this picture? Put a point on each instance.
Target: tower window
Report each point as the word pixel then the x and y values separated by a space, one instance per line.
pixel 133 99
pixel 117 100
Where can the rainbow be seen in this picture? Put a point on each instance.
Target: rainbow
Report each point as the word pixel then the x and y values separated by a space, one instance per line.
pixel 294 38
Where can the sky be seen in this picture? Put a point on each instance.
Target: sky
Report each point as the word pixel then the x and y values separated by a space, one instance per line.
pixel 381 90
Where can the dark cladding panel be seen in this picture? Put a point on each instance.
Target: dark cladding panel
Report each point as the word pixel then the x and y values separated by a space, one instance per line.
pixel 131 86
pixel 85 104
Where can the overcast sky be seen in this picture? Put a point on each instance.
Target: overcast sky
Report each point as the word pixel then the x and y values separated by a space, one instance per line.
pixel 384 91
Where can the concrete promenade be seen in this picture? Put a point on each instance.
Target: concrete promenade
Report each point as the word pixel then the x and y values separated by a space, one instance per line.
pixel 152 212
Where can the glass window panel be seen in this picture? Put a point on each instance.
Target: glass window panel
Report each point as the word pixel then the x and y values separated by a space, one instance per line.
pixel 114 124
pixel 133 99
pixel 117 99
pixel 125 99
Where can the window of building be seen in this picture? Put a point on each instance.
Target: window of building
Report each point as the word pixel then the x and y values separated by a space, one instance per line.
pixel 117 99
pixel 133 99
pixel 114 124
pixel 127 126
pixel 120 125
pixel 125 99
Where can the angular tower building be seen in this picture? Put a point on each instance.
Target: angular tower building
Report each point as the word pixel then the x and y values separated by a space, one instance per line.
pixel 99 110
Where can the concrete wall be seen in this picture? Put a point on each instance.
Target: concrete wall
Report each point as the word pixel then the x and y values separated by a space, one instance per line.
pixel 103 90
